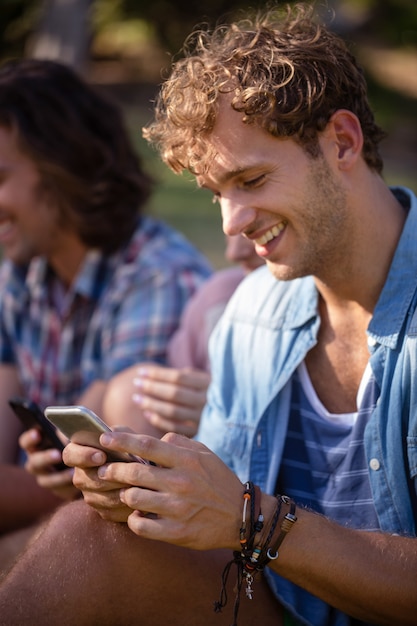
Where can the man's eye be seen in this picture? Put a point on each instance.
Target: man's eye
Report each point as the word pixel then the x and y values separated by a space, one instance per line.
pixel 254 182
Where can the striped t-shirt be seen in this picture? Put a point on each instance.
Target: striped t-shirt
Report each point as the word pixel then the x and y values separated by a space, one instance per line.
pixel 324 465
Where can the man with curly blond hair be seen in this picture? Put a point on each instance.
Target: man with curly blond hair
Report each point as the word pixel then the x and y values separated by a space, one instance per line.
pixel 298 502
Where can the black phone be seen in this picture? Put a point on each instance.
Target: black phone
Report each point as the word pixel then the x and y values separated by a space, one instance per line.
pixel 31 416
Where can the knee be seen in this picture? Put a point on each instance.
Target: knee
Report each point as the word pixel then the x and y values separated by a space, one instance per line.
pixel 83 527
pixel 74 515
pixel 117 401
pixel 75 518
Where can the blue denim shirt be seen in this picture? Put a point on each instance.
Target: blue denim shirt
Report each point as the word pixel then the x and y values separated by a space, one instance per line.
pixel 265 332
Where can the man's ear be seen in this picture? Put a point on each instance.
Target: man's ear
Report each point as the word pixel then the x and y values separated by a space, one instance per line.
pixel 347 134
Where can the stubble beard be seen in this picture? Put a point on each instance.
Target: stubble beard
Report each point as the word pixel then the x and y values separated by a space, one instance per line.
pixel 325 234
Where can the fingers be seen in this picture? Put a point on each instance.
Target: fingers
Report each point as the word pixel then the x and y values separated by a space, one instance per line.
pixel 189 410
pixel 185 499
pixel 183 377
pixel 42 464
pixel 115 513
pixel 165 452
pixel 189 497
pixel 102 495
pixel 43 461
pixel 171 399
pixel 167 417
pixel 99 493
pixel 30 439
pixel 177 424
pixel 174 491
pixel 75 455
pixel 178 386
pixel 56 481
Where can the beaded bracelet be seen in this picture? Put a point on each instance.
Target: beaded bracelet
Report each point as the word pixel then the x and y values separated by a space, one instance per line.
pixel 251 498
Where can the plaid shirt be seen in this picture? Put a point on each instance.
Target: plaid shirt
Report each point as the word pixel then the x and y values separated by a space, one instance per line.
pixel 120 309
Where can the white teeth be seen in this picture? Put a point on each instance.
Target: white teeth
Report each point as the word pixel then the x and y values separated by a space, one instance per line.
pixel 270 234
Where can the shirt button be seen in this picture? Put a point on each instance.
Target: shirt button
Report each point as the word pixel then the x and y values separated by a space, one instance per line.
pixel 372 342
pixel 374 464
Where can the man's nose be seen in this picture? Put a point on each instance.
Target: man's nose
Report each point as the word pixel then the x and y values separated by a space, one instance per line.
pixel 236 216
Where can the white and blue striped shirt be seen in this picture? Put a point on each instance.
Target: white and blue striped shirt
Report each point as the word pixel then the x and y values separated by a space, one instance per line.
pixel 324 465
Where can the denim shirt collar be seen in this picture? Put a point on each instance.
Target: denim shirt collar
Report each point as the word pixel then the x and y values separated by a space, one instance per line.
pixel 401 283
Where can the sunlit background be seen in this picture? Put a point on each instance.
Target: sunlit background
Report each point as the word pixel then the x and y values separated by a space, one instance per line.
pixel 126 47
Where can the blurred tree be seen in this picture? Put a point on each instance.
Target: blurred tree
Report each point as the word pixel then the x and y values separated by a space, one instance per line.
pixel 394 20
pixel 63 22
pixel 174 19
pixel 17 19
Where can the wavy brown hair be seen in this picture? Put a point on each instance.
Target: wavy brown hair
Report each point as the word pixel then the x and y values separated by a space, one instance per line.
pixel 77 139
pixel 282 69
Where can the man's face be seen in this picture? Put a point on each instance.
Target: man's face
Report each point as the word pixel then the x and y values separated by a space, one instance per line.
pixel 27 219
pixel 293 207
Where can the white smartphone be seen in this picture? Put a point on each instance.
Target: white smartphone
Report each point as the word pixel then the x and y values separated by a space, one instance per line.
pixel 83 426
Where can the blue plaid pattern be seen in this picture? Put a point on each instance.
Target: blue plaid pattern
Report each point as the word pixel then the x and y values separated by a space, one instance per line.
pixel 121 309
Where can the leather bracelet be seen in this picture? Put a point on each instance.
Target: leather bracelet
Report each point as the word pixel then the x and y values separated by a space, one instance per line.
pixel 287 523
pixel 250 560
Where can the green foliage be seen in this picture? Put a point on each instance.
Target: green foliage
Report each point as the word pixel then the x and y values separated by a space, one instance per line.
pixel 170 21
pixel 17 21
pixel 394 21
pixel 173 20
pixel 121 24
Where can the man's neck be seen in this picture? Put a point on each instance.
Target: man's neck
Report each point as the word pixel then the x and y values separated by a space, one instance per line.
pixel 67 258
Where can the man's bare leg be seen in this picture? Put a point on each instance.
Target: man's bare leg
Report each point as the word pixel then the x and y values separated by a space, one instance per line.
pixel 84 571
pixel 12 544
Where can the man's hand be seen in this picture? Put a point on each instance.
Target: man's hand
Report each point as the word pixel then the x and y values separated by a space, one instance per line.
pixel 154 399
pixel 41 464
pixel 188 498
pixel 102 495
pixel 171 399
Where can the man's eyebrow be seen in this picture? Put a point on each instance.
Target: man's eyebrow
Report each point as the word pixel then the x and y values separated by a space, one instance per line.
pixel 224 178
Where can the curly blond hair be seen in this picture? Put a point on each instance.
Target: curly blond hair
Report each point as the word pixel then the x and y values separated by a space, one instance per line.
pixel 282 69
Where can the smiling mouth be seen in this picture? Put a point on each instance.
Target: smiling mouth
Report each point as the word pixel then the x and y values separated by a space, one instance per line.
pixel 270 234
